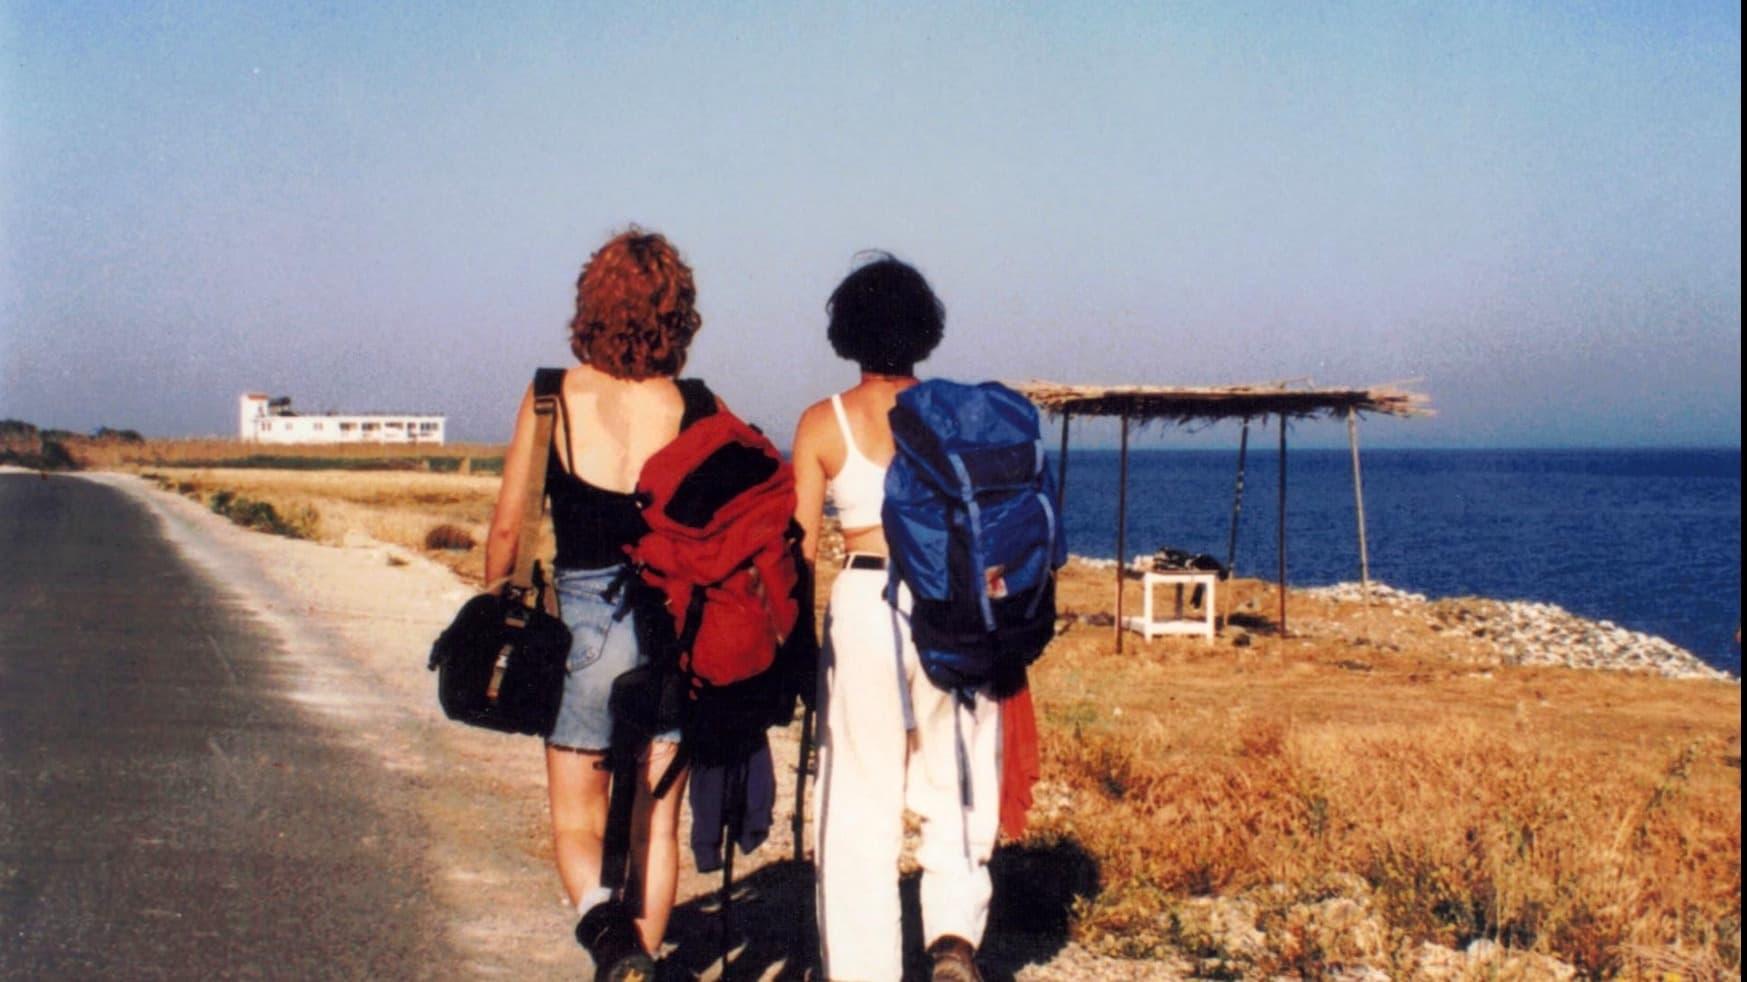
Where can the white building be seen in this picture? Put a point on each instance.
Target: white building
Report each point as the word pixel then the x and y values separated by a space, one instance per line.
pixel 266 420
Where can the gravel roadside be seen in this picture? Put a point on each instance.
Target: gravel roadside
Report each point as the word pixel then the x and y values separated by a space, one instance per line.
pixel 360 617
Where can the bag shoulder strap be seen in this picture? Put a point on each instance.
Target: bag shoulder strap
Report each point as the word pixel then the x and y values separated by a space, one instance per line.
pixel 548 382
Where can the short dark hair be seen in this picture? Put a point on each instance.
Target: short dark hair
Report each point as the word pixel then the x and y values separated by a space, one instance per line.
pixel 884 317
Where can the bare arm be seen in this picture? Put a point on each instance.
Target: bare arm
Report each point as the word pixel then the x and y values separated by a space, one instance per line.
pixel 810 482
pixel 506 515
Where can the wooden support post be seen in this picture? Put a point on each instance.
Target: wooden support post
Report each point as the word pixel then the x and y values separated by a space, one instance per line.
pixel 1061 474
pixel 1282 525
pixel 1237 498
pixel 1237 508
pixel 1121 527
pixel 1359 504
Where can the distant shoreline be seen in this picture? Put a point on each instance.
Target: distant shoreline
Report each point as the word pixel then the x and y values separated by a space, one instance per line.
pixel 1267 448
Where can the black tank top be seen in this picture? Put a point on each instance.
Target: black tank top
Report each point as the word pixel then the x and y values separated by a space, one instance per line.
pixel 592 524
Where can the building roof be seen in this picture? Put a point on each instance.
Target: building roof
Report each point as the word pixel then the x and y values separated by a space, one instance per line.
pixel 367 414
pixel 1185 404
pixel 281 407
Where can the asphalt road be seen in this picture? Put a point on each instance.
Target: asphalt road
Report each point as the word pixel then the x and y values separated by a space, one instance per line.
pixel 164 812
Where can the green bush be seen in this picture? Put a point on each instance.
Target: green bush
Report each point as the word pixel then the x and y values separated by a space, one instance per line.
pixel 263 517
pixel 56 456
pixel 276 462
pixel 52 456
pixel 287 463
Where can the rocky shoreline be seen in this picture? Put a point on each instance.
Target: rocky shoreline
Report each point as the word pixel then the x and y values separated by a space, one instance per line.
pixel 1513 632
pixel 1529 633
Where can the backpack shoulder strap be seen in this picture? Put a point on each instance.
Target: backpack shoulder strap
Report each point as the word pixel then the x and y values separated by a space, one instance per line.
pixel 699 401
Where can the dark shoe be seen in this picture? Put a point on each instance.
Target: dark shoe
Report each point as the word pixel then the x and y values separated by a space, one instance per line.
pixel 954 960
pixel 610 937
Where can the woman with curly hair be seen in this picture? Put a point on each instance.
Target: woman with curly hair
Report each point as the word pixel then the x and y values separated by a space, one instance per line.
pixel 635 319
pixel 884 318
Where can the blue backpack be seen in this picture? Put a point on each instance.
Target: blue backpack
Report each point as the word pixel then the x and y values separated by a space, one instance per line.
pixel 970 516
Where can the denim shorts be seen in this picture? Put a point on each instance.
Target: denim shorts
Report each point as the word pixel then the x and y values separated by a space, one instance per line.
pixel 603 646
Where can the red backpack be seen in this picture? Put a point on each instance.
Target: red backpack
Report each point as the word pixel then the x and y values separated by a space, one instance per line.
pixel 724 616
pixel 719 500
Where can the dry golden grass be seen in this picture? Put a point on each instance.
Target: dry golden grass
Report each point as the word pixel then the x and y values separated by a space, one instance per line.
pixel 1591 816
pixel 397 507
pixel 170 453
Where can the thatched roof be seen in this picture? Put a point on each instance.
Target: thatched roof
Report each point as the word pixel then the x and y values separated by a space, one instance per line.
pixel 1185 404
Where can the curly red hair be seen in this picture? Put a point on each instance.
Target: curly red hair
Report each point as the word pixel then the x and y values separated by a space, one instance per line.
pixel 635 308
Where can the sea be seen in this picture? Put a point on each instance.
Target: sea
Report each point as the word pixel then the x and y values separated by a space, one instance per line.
pixel 1648 539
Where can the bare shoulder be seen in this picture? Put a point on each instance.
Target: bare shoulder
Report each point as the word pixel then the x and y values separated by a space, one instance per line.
pixel 816 431
pixel 525 407
pixel 817 412
pixel 815 419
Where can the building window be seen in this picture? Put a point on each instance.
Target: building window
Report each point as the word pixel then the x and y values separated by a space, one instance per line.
pixel 348 427
pixel 369 427
pixel 427 427
pixel 318 427
pixel 394 424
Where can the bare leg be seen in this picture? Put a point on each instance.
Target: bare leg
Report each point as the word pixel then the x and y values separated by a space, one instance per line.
pixel 656 844
pixel 577 791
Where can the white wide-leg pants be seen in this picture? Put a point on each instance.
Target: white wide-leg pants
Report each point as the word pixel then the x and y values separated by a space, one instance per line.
pixel 870 769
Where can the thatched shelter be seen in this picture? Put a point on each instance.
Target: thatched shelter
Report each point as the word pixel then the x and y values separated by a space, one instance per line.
pixel 1189 404
pixel 1199 404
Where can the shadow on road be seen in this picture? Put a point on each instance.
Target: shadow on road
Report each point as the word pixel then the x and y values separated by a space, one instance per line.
pixel 773 933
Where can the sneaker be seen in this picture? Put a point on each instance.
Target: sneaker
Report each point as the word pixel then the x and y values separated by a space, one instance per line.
pixel 954 960
pixel 610 937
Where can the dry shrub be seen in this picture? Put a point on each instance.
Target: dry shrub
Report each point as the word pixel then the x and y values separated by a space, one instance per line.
pixel 447 536
pixel 1460 833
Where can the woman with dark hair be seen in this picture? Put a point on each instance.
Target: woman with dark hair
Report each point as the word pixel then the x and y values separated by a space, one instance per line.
pixel 635 318
pixel 885 319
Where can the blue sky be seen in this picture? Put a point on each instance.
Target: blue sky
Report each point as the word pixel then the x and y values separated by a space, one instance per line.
pixel 1534 210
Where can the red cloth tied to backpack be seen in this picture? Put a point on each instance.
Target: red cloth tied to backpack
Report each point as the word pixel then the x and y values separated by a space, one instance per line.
pixel 1020 766
pixel 718 501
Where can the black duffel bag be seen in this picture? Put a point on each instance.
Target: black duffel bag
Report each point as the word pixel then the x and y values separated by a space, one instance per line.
pixel 500 665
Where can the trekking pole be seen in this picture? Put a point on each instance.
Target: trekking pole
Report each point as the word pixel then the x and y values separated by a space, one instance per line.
pixel 621 802
pixel 727 903
pixel 802 769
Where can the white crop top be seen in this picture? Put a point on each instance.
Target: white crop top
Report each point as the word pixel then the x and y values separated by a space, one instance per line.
pixel 859 489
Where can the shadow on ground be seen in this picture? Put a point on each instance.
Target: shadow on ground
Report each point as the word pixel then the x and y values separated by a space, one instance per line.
pixel 770 928
pixel 1036 886
pixel 1254 623
pixel 771 931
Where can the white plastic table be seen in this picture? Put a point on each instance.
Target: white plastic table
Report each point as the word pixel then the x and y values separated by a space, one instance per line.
pixel 1149 625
